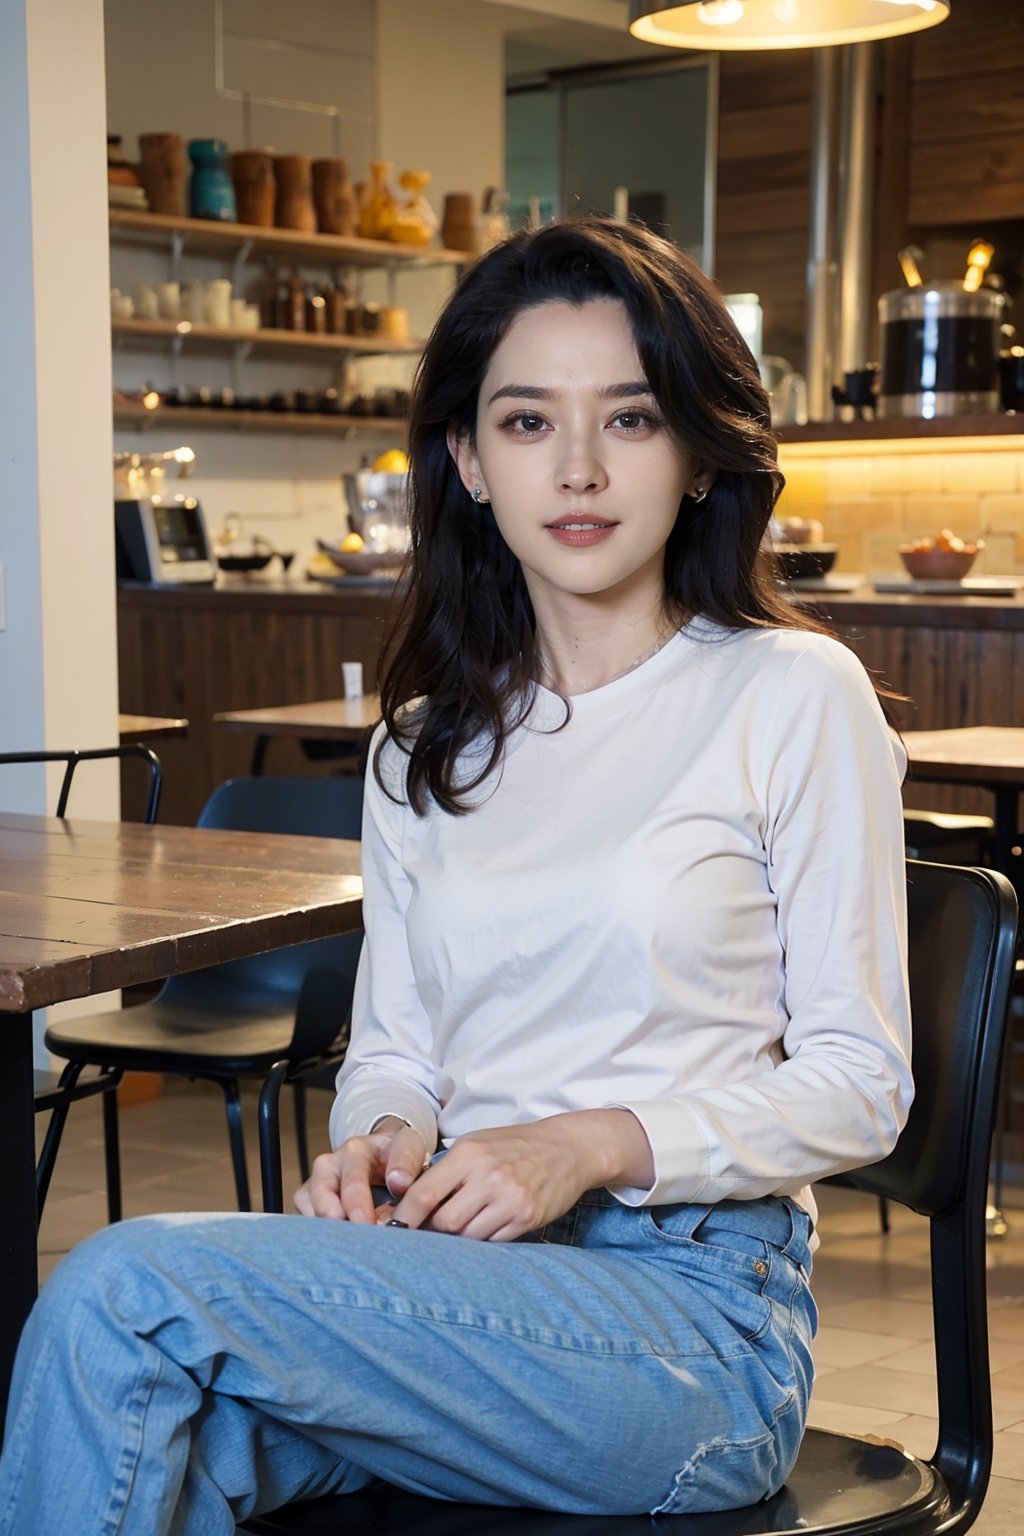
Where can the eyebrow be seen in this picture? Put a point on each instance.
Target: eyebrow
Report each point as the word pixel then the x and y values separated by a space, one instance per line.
pixel 625 391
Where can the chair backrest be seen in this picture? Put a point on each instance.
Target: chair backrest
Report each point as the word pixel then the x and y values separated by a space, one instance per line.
pixel 962 950
pixel 301 807
pixel 71 760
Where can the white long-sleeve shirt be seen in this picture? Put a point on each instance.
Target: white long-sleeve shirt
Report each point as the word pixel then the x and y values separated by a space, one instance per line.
pixel 688 901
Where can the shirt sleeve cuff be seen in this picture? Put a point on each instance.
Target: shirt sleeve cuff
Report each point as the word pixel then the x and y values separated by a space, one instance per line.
pixel 679 1147
pixel 363 1105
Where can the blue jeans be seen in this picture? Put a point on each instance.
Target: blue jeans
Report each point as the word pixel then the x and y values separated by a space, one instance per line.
pixel 180 1373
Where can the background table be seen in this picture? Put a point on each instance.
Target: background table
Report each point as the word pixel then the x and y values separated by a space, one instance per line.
pixel 987 756
pixel 338 720
pixel 88 907
pixel 149 727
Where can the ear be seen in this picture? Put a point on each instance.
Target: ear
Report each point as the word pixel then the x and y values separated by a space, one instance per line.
pixel 466 462
pixel 701 478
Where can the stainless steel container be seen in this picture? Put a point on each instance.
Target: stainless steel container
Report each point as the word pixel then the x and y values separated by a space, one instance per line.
pixel 940 351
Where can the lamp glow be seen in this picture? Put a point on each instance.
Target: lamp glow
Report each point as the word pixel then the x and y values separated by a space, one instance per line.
pixel 762 24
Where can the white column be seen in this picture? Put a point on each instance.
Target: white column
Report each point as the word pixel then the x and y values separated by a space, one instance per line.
pixel 58 649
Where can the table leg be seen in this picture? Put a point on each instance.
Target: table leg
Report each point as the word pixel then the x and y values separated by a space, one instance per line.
pixel 18 1271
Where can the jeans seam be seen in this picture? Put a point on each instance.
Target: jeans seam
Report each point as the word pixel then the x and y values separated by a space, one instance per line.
pixel 493 1323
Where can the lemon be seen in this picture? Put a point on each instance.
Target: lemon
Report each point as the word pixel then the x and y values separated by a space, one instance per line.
pixel 352 544
pixel 394 462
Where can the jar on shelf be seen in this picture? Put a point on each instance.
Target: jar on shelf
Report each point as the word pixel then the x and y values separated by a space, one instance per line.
pixel 211 194
pixel 252 172
pixel 162 172
pixel 334 197
pixel 293 206
pixel 316 311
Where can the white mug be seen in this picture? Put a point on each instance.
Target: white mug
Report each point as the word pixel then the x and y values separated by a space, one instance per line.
pixel 146 306
pixel 193 302
pixel 218 302
pixel 168 297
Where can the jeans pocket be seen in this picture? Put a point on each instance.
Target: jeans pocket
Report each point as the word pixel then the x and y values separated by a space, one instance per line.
pixel 734 1268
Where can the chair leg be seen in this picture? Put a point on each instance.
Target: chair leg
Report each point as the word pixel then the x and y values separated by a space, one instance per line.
pixel 236 1135
pixel 112 1152
pixel 301 1135
pixel 883 1212
pixel 270 1138
pixel 54 1131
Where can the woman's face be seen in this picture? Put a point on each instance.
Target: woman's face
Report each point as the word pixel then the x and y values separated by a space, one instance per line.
pixel 574 454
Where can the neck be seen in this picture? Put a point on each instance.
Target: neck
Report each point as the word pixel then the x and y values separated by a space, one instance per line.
pixel 577 658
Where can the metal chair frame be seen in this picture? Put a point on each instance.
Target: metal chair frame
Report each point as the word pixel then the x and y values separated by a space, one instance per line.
pixel 963 931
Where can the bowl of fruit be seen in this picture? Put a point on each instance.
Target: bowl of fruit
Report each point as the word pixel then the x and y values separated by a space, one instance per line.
pixel 945 558
pixel 351 554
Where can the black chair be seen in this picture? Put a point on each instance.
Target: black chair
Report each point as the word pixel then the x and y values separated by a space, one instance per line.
pixel 963 925
pixel 237 1020
pixel 54 1093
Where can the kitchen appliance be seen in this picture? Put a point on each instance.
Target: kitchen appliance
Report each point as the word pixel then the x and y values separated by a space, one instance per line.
pixel 163 539
pixel 940 350
pixel 377 504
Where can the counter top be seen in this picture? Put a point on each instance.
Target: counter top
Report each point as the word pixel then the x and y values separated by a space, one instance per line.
pixel 863 606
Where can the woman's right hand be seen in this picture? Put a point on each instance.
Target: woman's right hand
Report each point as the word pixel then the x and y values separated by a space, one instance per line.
pixel 341 1183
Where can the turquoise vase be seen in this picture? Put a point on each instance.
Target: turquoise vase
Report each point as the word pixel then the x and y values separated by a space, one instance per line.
pixel 211 194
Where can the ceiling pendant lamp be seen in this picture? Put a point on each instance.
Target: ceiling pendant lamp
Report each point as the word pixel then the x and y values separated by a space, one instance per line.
pixel 738 24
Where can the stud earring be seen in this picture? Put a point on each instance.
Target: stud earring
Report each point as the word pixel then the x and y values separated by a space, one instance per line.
pixel 700 494
pixel 479 497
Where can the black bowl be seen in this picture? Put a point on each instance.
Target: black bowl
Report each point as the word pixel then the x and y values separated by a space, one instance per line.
pixel 244 562
pixel 798 562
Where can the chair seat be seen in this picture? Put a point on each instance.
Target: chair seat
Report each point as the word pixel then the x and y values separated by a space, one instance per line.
pixel 839 1484
pixel 209 1038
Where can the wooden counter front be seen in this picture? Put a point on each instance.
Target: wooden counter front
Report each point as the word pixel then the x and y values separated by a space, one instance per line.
pixel 241 645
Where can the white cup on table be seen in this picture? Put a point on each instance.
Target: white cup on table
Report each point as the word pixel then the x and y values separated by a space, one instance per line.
pixel 352 679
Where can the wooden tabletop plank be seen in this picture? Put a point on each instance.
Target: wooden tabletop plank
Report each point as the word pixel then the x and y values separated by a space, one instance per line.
pixel 88 907
pixel 323 720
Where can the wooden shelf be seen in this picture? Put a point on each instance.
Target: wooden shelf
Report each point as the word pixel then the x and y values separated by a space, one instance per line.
pixel 906 428
pixel 209 235
pixel 221 419
pixel 272 340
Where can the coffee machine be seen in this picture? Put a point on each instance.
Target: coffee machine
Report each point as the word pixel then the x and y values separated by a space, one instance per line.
pixel 160 534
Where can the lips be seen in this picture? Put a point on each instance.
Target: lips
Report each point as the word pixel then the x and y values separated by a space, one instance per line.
pixel 581 531
pixel 582 520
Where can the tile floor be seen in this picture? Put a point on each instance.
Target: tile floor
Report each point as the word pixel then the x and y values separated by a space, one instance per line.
pixel 874 1348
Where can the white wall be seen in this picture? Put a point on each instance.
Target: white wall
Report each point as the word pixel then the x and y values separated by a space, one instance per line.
pixel 58 653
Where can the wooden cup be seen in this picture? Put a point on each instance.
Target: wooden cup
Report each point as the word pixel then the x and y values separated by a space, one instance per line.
pixel 334 197
pixel 162 172
pixel 252 171
pixel 293 207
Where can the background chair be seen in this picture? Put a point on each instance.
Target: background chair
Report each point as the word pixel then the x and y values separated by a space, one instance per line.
pixel 963 925
pixel 236 1020
pixel 54 1093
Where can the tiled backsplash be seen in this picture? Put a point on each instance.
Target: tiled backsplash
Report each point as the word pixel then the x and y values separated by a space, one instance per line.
pixel 871 502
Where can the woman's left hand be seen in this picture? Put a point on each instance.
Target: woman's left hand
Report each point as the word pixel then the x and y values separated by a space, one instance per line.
pixel 498 1184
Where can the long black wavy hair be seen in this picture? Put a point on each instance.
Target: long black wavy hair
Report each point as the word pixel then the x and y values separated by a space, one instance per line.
pixel 463 643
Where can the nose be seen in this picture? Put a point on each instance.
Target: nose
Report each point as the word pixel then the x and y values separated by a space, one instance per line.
pixel 580 468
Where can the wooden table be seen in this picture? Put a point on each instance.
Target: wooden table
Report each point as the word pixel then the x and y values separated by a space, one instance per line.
pixel 985 756
pixel 149 727
pixel 340 720
pixel 88 907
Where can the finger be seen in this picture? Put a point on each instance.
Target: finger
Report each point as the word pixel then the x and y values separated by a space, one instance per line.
pixel 302 1202
pixel 435 1185
pixel 404 1160
pixel 356 1169
pixel 323 1187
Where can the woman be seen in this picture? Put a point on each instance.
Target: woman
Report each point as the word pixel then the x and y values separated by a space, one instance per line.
pixel 634 956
